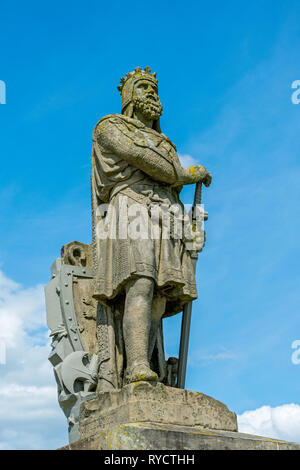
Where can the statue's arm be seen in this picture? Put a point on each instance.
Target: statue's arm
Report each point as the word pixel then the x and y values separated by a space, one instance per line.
pixel 110 137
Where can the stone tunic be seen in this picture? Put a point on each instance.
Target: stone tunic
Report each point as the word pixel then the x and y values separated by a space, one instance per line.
pixel 134 164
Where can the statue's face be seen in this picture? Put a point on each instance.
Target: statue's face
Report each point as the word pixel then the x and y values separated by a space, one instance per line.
pixel 146 100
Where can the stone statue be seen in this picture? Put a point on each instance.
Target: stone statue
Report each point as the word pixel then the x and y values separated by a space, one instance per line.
pixel 106 301
pixel 144 279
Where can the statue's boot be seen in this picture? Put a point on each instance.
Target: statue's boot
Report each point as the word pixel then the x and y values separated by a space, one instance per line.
pixel 140 372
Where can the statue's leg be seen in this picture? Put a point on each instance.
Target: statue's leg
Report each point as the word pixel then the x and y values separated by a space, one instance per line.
pixel 158 309
pixel 136 329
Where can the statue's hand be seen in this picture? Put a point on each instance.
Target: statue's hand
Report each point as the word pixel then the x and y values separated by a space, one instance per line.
pixel 194 236
pixel 207 179
pixel 199 240
pixel 200 175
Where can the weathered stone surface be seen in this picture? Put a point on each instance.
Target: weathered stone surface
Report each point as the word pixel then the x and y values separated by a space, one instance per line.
pixel 153 436
pixel 145 402
pixel 77 254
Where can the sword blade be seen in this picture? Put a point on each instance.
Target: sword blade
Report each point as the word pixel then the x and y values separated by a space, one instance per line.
pixel 187 311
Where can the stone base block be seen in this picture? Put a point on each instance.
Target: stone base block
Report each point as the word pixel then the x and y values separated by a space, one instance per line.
pixel 151 416
pixel 146 402
pixel 153 436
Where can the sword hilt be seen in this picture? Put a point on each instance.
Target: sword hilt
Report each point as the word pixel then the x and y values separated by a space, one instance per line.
pixel 198 194
pixel 197 200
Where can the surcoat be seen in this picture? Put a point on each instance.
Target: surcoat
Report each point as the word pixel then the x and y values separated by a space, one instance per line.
pixel 134 164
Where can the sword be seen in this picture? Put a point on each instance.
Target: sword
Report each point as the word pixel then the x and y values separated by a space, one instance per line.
pixel 187 309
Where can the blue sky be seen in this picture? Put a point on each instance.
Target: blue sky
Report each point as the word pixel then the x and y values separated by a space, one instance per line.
pixel 225 71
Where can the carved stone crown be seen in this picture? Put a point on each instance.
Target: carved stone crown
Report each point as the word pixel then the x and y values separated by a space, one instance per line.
pixel 128 82
pixel 138 74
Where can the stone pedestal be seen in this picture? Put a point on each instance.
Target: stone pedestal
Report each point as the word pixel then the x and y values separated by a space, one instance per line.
pixel 153 436
pixel 151 416
pixel 146 402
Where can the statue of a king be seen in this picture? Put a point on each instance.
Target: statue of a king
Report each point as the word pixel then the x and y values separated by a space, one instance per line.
pixel 139 279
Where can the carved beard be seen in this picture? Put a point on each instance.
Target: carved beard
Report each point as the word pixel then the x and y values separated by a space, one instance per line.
pixel 149 108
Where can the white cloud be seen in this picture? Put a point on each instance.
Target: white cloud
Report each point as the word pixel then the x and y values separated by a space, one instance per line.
pixel 187 160
pixel 30 417
pixel 280 422
pixel 218 356
pixel 21 310
pixel 205 358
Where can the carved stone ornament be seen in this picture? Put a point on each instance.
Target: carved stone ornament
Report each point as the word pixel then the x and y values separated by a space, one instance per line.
pixel 72 321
